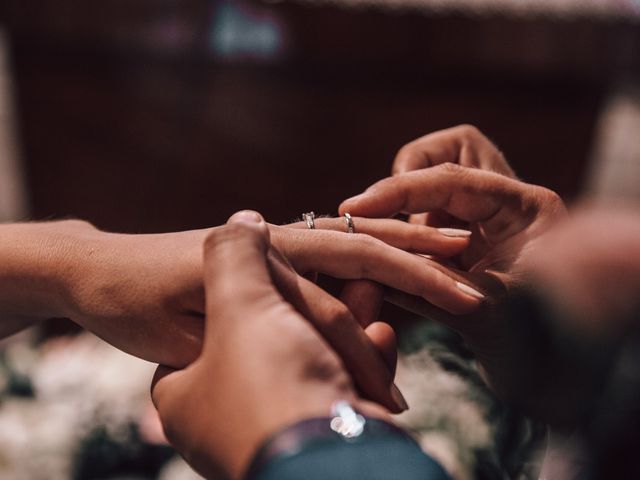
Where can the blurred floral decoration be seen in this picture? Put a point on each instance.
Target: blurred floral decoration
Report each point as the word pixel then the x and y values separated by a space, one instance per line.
pixel 76 408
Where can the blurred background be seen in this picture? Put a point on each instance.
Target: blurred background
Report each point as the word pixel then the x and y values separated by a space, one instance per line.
pixel 161 115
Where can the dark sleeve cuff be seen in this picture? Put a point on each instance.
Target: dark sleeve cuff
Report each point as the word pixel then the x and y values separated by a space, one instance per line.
pixel 311 450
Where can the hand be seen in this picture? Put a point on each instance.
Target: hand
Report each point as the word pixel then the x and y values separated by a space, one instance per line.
pixel 464 145
pixel 263 366
pixel 144 293
pixel 506 217
pixel 578 320
pixel 589 268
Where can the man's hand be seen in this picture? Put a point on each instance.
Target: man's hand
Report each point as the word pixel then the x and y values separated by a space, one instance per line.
pixel 263 366
pixel 506 217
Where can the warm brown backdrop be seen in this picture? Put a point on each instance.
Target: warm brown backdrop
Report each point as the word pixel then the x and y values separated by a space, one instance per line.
pixel 138 135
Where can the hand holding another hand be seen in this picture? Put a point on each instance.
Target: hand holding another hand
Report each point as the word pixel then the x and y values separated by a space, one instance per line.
pixel 263 366
pixel 506 218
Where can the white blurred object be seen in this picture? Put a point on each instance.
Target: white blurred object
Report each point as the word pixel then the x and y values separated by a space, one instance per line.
pixel 80 383
pixel 448 425
pixel 177 469
pixel 13 202
pixel 615 165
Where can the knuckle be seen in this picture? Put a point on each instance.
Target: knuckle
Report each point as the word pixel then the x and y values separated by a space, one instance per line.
pixel 326 366
pixel 338 316
pixel 366 248
pixel 469 132
pixel 548 199
pixel 550 196
pixel 449 168
pixel 365 241
pixel 405 151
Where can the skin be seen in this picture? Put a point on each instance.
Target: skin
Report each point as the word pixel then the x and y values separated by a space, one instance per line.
pixel 506 216
pixel 585 275
pixel 217 425
pixel 144 293
pixel 599 281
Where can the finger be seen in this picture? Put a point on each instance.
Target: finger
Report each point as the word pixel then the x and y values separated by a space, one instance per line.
pixel 237 282
pixel 463 144
pixel 494 285
pixel 505 205
pixel 445 242
pixel 166 382
pixel 339 328
pixel 357 256
pixel 384 339
pixel 364 299
pixel 158 383
pixel 419 219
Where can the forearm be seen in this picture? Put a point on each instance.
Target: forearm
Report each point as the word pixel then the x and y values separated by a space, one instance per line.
pixel 35 272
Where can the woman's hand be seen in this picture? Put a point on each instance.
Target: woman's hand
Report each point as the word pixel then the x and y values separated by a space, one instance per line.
pixel 263 366
pixel 144 293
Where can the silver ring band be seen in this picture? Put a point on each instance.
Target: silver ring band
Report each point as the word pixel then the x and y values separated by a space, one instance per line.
pixel 309 219
pixel 350 226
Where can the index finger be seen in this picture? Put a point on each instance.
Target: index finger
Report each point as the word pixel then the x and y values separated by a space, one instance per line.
pixel 471 195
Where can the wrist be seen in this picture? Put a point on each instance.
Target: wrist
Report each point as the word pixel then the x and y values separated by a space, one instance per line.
pixel 37 270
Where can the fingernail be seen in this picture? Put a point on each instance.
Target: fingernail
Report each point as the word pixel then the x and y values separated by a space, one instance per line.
pixel 246 216
pixel 469 291
pixel 398 398
pixel 454 232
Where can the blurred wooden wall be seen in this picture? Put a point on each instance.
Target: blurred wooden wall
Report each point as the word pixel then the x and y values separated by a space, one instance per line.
pixel 139 130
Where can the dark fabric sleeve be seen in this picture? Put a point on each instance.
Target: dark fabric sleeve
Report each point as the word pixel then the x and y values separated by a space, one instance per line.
pixel 382 452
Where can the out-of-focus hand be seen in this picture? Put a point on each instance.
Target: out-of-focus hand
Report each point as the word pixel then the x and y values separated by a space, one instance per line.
pixel 578 321
pixel 589 268
pixel 263 366
pixel 506 217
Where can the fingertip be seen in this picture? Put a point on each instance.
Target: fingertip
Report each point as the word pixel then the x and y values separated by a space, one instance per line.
pixel 248 217
pixel 251 219
pixel 349 204
pixel 161 372
pixel 384 338
pixel 455 246
pixel 234 253
pixel 247 225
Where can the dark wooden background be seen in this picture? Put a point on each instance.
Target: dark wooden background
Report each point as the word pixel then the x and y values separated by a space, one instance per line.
pixel 138 135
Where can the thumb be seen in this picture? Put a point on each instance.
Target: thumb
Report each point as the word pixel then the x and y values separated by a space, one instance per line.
pixel 236 278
